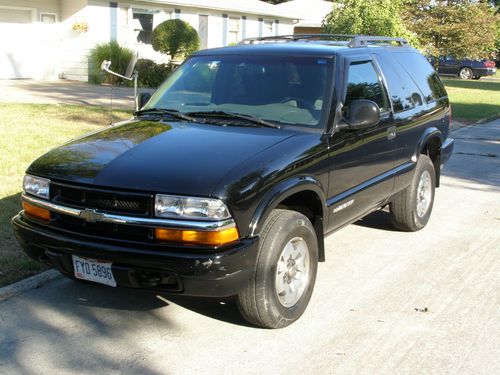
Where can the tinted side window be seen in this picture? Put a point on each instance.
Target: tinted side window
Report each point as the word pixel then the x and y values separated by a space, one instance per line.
pixel 363 83
pixel 404 93
pixel 422 73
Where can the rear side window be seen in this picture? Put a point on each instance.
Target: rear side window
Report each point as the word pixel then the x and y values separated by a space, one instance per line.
pixel 422 74
pixel 403 91
pixel 363 83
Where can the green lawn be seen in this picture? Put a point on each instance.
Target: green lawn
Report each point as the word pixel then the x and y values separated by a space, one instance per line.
pixel 28 131
pixel 472 101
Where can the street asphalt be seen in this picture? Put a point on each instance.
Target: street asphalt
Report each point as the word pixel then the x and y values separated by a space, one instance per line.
pixel 385 302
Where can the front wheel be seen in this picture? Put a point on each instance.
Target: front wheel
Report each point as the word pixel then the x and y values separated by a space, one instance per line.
pixel 282 285
pixel 465 73
pixel 411 210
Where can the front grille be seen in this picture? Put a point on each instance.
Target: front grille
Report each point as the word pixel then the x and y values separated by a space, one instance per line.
pixel 114 231
pixel 103 200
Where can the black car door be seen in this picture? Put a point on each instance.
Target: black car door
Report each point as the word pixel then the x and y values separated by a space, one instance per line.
pixel 360 160
pixel 448 66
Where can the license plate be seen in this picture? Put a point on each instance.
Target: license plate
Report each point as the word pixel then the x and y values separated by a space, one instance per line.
pixel 93 270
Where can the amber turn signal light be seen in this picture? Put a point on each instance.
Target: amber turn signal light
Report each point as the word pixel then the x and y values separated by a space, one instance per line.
pixel 36 212
pixel 210 238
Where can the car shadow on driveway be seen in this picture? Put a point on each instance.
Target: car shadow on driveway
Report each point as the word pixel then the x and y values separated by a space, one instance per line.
pixel 94 295
pixel 380 219
pixel 223 309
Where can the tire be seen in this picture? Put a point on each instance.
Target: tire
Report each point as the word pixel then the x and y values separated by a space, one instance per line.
pixel 266 301
pixel 465 73
pixel 411 210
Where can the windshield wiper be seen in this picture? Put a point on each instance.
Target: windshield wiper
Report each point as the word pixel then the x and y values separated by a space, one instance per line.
pixel 239 116
pixel 163 111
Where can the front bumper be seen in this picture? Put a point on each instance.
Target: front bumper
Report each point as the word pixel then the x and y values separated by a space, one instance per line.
pixel 218 273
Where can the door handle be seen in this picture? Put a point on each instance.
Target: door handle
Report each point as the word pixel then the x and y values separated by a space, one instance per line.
pixel 391 132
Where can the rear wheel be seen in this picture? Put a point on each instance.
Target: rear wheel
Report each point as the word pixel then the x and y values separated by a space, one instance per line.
pixel 465 73
pixel 282 285
pixel 412 209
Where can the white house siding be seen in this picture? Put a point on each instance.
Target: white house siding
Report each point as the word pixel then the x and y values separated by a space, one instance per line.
pixel 77 45
pixel 44 51
pixel 27 47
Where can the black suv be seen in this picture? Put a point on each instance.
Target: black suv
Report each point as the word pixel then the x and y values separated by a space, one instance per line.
pixel 226 182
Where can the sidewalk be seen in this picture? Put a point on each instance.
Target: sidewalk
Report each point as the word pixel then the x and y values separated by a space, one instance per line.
pixel 66 92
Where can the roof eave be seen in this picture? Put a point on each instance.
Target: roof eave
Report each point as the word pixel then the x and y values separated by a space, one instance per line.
pixel 185 4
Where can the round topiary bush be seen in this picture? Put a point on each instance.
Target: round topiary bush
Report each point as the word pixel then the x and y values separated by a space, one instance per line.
pixel 175 38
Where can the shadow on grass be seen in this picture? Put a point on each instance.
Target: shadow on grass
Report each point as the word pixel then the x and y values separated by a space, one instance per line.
pixel 14 264
pixel 474 111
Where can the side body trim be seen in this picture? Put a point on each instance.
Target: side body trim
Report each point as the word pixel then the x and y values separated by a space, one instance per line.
pixel 405 167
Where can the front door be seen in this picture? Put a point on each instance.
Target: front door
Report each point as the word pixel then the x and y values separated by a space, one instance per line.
pixel 361 160
pixel 448 65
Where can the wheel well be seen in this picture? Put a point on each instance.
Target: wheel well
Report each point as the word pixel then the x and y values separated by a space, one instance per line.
pixel 432 149
pixel 308 204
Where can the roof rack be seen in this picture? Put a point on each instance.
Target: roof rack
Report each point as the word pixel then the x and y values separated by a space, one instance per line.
pixel 353 40
pixel 364 40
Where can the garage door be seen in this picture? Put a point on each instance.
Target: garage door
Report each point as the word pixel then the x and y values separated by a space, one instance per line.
pixel 9 15
pixel 15 39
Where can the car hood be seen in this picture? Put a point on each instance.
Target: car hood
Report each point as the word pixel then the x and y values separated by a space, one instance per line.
pixel 156 156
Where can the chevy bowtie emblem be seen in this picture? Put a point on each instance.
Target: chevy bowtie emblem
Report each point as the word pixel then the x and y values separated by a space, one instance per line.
pixel 90 216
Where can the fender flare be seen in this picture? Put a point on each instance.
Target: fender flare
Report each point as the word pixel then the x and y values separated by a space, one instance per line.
pixel 429 134
pixel 425 137
pixel 283 190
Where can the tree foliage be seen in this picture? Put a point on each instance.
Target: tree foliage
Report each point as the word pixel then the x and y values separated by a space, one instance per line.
pixel 368 17
pixel 461 29
pixel 176 38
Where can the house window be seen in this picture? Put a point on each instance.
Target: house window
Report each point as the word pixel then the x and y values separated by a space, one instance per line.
pixel 233 30
pixel 142 21
pixel 48 18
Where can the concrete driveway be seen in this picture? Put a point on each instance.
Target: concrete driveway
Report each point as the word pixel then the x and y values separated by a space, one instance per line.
pixel 385 302
pixel 66 92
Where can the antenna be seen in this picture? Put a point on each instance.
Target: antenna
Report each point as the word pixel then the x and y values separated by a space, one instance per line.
pixel 130 74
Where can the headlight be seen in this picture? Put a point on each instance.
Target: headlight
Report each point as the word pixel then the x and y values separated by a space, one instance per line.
pixel 177 207
pixel 36 186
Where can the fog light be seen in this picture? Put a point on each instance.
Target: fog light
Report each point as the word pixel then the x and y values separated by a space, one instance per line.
pixel 36 212
pixel 210 238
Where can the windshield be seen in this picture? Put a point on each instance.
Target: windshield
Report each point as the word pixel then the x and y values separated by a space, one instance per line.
pixel 279 89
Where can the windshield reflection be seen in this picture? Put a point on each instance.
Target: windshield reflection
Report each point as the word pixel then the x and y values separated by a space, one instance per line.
pixel 282 90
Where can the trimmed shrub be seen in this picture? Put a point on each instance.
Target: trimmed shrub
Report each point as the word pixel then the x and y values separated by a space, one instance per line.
pixel 119 56
pixel 175 38
pixel 152 74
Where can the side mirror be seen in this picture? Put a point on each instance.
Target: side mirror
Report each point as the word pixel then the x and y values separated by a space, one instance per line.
pixel 142 99
pixel 363 113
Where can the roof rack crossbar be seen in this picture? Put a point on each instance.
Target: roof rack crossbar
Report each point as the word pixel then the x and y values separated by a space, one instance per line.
pixel 364 40
pixel 296 37
pixel 354 40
